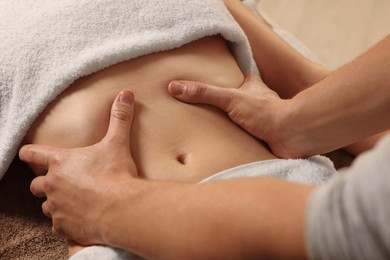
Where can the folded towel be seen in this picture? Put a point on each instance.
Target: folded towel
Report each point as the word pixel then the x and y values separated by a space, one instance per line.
pixel 46 45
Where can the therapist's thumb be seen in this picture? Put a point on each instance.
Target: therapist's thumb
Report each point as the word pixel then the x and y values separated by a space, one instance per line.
pixel 196 92
pixel 121 118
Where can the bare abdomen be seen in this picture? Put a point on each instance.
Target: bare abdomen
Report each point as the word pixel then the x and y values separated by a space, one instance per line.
pixel 170 140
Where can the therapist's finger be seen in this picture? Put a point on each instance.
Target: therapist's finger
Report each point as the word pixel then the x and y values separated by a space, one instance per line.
pixel 37 154
pixel 196 92
pixel 45 209
pixel 121 119
pixel 37 186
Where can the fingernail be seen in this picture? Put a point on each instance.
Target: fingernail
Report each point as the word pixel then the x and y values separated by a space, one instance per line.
pixel 126 98
pixel 177 88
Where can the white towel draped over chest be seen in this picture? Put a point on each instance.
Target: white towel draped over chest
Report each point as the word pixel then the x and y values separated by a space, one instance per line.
pixel 46 45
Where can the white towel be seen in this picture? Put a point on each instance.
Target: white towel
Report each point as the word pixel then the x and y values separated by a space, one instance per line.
pixel 102 253
pixel 312 171
pixel 46 45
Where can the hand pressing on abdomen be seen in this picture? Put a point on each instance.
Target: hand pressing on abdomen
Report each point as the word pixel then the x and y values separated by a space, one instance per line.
pixel 84 185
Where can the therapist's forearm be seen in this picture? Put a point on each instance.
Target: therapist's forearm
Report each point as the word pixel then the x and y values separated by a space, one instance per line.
pixel 247 218
pixel 349 105
pixel 282 68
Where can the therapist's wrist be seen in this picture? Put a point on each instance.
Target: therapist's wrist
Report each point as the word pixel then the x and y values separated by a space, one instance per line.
pixel 301 130
pixel 289 136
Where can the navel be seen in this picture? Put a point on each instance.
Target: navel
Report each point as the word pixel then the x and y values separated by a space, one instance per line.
pixel 183 158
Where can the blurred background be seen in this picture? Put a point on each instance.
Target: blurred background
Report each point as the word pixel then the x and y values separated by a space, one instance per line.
pixel 335 30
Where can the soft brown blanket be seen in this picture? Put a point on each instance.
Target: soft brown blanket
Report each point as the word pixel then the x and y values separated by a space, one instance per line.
pixel 25 233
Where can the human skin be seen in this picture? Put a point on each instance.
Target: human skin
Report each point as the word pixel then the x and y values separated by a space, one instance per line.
pixel 172 141
pixel 349 105
pixel 168 134
pixel 295 137
pixel 357 105
pixel 164 234
pixel 222 218
pixel 282 68
pixel 54 121
pixel 188 141
pixel 205 202
pixel 308 73
pixel 63 117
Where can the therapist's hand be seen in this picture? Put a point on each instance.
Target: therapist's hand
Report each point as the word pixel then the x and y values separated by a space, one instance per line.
pixel 253 106
pixel 84 185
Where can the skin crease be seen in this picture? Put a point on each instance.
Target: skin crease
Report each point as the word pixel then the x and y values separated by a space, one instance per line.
pixel 264 240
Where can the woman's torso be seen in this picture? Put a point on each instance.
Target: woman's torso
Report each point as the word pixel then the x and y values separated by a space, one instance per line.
pixel 170 140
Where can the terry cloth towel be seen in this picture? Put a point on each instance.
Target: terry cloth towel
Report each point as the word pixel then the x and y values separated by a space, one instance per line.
pixel 312 171
pixel 46 45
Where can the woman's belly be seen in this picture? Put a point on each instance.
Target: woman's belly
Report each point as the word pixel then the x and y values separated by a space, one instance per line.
pixel 170 140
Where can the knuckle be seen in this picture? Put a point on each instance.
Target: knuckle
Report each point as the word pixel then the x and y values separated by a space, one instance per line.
pixel 200 90
pixel 30 155
pixel 48 185
pixel 55 159
pixel 32 188
pixel 121 115
pixel 46 209
pixel 195 89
